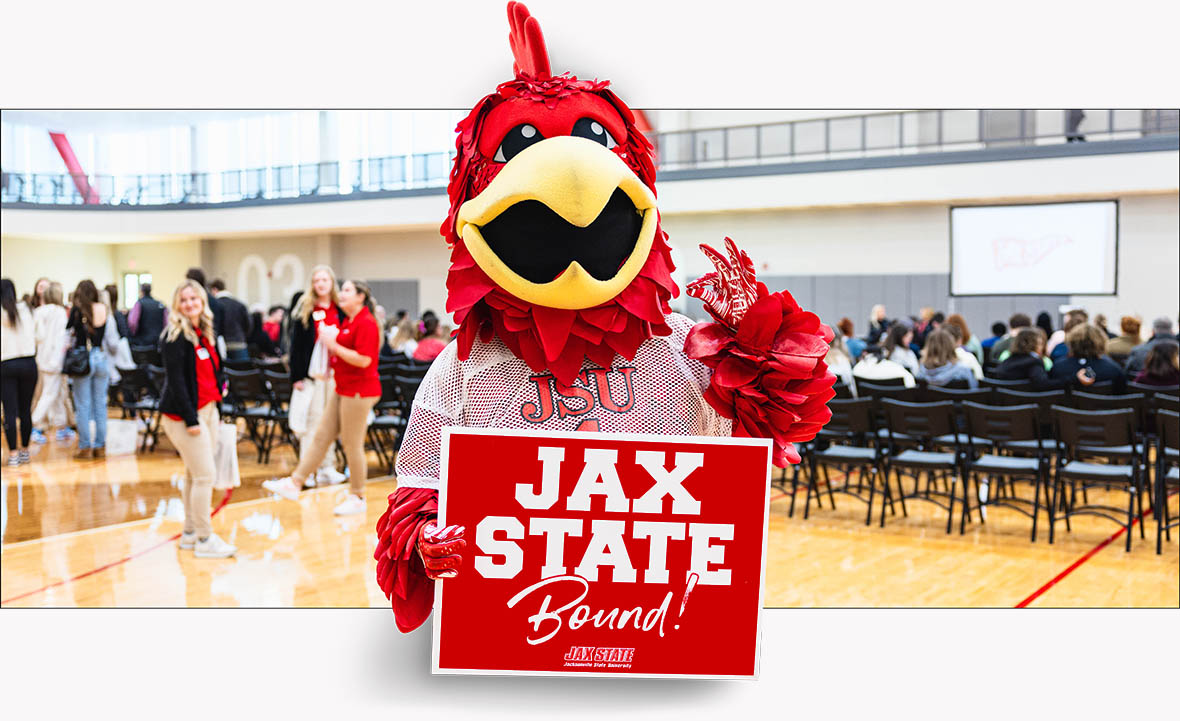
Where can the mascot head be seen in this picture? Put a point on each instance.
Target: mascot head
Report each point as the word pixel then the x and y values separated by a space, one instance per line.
pixel 555 235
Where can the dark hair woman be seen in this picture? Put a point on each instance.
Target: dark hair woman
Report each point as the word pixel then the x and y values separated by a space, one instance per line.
pixel 188 406
pixel 1045 323
pixel 88 322
pixel 354 349
pixel 432 342
pixel 18 371
pixel 897 347
pixel 1025 362
pixel 1162 367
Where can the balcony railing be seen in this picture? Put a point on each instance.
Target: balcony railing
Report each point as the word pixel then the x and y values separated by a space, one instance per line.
pixel 836 138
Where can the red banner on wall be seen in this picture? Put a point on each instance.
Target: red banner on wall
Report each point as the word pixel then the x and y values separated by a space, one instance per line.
pixel 603 554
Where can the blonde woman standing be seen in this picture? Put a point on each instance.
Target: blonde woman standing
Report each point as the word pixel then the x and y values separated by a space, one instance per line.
pixel 188 408
pixel 311 372
pixel 49 322
pixel 354 348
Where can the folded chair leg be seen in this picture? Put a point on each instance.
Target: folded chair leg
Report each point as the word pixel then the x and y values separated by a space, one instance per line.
pixel 872 492
pixel 1036 506
pixel 1130 516
pixel 831 495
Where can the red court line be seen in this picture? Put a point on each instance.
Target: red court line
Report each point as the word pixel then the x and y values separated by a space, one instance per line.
pixel 1090 554
pixel 112 564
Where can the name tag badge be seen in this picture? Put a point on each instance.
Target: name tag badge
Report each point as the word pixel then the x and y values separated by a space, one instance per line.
pixel 318 314
pixel 203 353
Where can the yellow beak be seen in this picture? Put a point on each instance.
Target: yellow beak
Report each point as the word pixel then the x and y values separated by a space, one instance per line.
pixel 575 178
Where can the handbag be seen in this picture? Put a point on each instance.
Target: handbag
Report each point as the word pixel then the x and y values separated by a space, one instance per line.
pixel 77 362
pixel 225 457
pixel 299 407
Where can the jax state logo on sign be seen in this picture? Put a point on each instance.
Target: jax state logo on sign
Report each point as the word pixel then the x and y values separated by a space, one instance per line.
pixel 603 554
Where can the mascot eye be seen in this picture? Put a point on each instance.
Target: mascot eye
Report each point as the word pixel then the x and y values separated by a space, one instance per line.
pixel 592 129
pixel 517 139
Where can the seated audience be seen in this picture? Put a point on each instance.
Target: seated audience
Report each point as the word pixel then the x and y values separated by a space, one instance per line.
pixel 941 365
pixel 259 343
pixel 1162 367
pixel 273 325
pixel 1100 321
pixel 965 357
pixel 999 330
pixel 1086 352
pixel 433 340
pixel 878 325
pixel 1161 330
pixel 1056 346
pixel 1045 360
pixel 1045 323
pixel 839 362
pixel 1015 323
pixel 966 339
pixel 873 367
pixel 897 347
pixel 855 345
pixel 1119 348
pixel 1024 362
pixel 404 338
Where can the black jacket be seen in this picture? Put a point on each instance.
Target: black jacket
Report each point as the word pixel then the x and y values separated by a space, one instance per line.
pixel 151 323
pixel 1104 370
pixel 1138 358
pixel 302 341
pixel 1027 367
pixel 179 396
pixel 235 319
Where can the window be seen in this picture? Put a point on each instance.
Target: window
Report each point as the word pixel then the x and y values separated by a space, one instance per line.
pixel 131 283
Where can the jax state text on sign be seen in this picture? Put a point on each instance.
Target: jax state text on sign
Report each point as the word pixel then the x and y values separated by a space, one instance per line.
pixel 613 554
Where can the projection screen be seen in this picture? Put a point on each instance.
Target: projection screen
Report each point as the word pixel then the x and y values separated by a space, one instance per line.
pixel 1046 249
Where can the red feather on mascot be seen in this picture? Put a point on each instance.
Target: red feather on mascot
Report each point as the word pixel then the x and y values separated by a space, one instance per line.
pixel 559 281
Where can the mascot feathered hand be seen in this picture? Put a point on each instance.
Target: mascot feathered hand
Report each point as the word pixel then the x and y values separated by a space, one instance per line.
pixel 560 279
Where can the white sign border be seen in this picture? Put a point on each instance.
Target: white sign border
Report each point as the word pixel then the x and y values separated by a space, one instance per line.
pixel 444 451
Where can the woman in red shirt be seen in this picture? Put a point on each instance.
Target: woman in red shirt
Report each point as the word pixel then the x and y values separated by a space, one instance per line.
pixel 353 349
pixel 433 341
pixel 188 406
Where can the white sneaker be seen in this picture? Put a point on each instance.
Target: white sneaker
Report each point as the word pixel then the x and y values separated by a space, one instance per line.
pixel 330 477
pixel 188 540
pixel 284 487
pixel 213 547
pixel 309 482
pixel 351 506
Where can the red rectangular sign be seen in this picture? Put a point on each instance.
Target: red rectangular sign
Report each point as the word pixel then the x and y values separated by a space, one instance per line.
pixel 603 554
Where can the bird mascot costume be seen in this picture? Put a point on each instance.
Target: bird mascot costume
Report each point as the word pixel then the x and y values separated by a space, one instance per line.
pixel 559 282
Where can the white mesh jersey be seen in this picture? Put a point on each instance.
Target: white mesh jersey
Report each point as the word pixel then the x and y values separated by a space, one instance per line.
pixel 660 391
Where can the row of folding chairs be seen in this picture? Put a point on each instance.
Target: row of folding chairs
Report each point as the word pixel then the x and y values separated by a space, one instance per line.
pixel 399 386
pixel 1060 450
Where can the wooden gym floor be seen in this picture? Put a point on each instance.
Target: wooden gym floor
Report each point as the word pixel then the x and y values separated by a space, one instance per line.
pixel 99 533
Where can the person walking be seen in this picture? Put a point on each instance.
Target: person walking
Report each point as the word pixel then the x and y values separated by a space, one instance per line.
pixel 146 319
pixel 49 323
pixel 188 409
pixel 18 371
pixel 311 370
pixel 91 330
pixel 354 348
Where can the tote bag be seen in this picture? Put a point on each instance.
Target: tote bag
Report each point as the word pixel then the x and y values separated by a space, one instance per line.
pixel 225 457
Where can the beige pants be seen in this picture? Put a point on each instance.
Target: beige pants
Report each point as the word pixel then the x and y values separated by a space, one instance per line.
pixel 197 454
pixel 51 406
pixel 346 419
pixel 322 391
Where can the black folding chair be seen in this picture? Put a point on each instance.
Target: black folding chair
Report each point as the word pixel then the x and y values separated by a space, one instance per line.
pixel 1007 385
pixel 278 382
pixel 923 423
pixel 843 392
pixel 1167 474
pixel 1083 434
pixel 1137 402
pixel 140 400
pixel 877 393
pixel 407 388
pixel 1104 388
pixel 251 401
pixel 847 442
pixel 998 427
pixel 388 422
pixel 411 370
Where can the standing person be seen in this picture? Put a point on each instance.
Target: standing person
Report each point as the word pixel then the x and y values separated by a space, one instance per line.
pixel 38 296
pixel 49 323
pixel 188 409
pixel 940 364
pixel 1073 121
pixel 968 341
pixel 354 348
pixel 235 322
pixel 120 317
pixel 311 371
pixel 147 319
pixel 433 341
pixel 199 275
pixel 897 347
pixel 91 330
pixel 18 371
